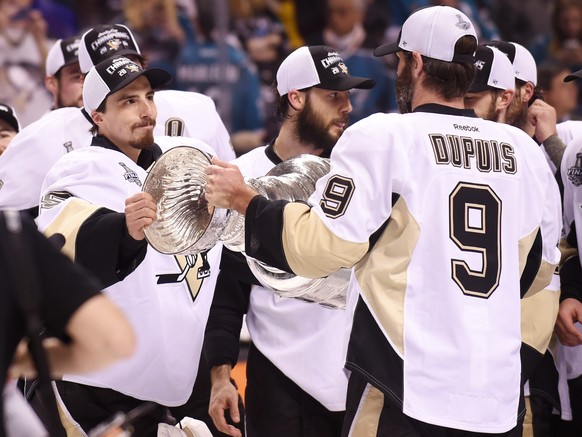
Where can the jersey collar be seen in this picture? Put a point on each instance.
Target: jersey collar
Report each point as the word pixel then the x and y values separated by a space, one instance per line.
pixel 146 157
pixel 447 110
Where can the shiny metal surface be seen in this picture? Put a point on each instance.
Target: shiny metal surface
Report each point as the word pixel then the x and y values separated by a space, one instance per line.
pixel 187 225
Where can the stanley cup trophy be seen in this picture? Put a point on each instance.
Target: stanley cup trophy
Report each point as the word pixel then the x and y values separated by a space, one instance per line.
pixel 188 225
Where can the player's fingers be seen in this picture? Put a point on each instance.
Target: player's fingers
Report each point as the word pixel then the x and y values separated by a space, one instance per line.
pixel 234 412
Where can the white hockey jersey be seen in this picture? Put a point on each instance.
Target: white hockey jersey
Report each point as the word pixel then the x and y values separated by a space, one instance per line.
pixel 571 171
pixel 440 214
pixel 169 316
pixel 37 147
pixel 304 340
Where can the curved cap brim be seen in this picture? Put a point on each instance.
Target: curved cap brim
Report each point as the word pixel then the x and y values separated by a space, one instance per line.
pixel 387 49
pixel 344 83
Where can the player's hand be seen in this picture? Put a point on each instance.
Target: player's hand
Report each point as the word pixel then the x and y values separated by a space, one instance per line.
pixel 140 211
pixel 226 187
pixel 543 118
pixel 570 312
pixel 223 396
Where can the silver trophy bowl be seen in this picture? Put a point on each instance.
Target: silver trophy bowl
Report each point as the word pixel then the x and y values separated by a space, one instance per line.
pixel 186 224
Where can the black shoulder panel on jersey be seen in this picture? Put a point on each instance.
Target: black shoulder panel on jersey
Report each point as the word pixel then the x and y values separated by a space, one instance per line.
pixel 264 232
pixel 235 264
pixel 376 235
pixel 571 279
pixel 532 265
pixel 104 247
pixel 371 355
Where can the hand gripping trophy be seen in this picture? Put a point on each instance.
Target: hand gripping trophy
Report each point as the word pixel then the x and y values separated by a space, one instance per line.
pixel 188 225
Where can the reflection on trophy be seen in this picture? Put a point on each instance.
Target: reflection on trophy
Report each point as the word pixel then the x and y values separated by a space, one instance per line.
pixel 188 225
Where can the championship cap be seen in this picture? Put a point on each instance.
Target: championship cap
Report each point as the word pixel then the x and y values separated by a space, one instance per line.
pixel 105 41
pixel 114 74
pixel 433 32
pixel 63 52
pixel 318 66
pixel 494 71
pixel 523 62
pixel 7 114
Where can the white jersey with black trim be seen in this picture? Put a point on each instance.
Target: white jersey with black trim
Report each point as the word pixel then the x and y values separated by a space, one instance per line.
pixel 304 340
pixel 38 146
pixel 568 130
pixel 571 170
pixel 440 214
pixel 166 299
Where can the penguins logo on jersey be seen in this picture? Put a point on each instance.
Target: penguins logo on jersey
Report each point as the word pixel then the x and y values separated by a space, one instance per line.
pixel 575 172
pixel 194 269
pixel 130 175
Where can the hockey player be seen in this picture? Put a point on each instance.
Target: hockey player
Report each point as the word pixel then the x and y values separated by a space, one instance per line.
pixel 296 384
pixel 63 77
pixel 93 198
pixel 448 219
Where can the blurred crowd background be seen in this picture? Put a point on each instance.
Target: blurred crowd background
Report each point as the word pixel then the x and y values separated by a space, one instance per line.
pixel 231 49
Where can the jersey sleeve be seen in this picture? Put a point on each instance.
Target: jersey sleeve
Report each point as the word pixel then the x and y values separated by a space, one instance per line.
pixel 64 286
pixel 334 232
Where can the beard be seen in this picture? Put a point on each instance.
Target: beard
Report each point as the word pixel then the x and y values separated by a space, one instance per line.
pixel 404 92
pixel 312 129
pixel 517 112
pixel 146 139
pixel 492 112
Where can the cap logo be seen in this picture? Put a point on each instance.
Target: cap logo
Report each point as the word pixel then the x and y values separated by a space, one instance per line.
pixel 495 81
pixel 343 68
pixel 462 24
pixel 73 47
pixel 114 44
pixel 112 35
pixel 332 58
pixel 122 66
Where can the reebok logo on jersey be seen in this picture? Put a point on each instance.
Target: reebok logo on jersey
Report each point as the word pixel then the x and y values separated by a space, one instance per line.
pixel 130 175
pixel 575 172
pixel 466 127
pixel 1 183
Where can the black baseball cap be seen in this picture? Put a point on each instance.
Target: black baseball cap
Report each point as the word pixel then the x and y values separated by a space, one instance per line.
pixel 318 66
pixel 114 74
pixel 494 71
pixel 7 114
pixel 105 41
pixel 63 52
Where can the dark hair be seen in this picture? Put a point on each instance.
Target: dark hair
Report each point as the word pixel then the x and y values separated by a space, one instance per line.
pixel 451 79
pixel 283 104
pixel 94 128
pixel 547 71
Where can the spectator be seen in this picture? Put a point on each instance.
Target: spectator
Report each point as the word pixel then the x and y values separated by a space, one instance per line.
pixel 23 50
pixel 345 32
pixel 158 29
pixel 215 67
pixel 562 96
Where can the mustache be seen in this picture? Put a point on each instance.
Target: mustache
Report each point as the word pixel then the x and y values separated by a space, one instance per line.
pixel 145 123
